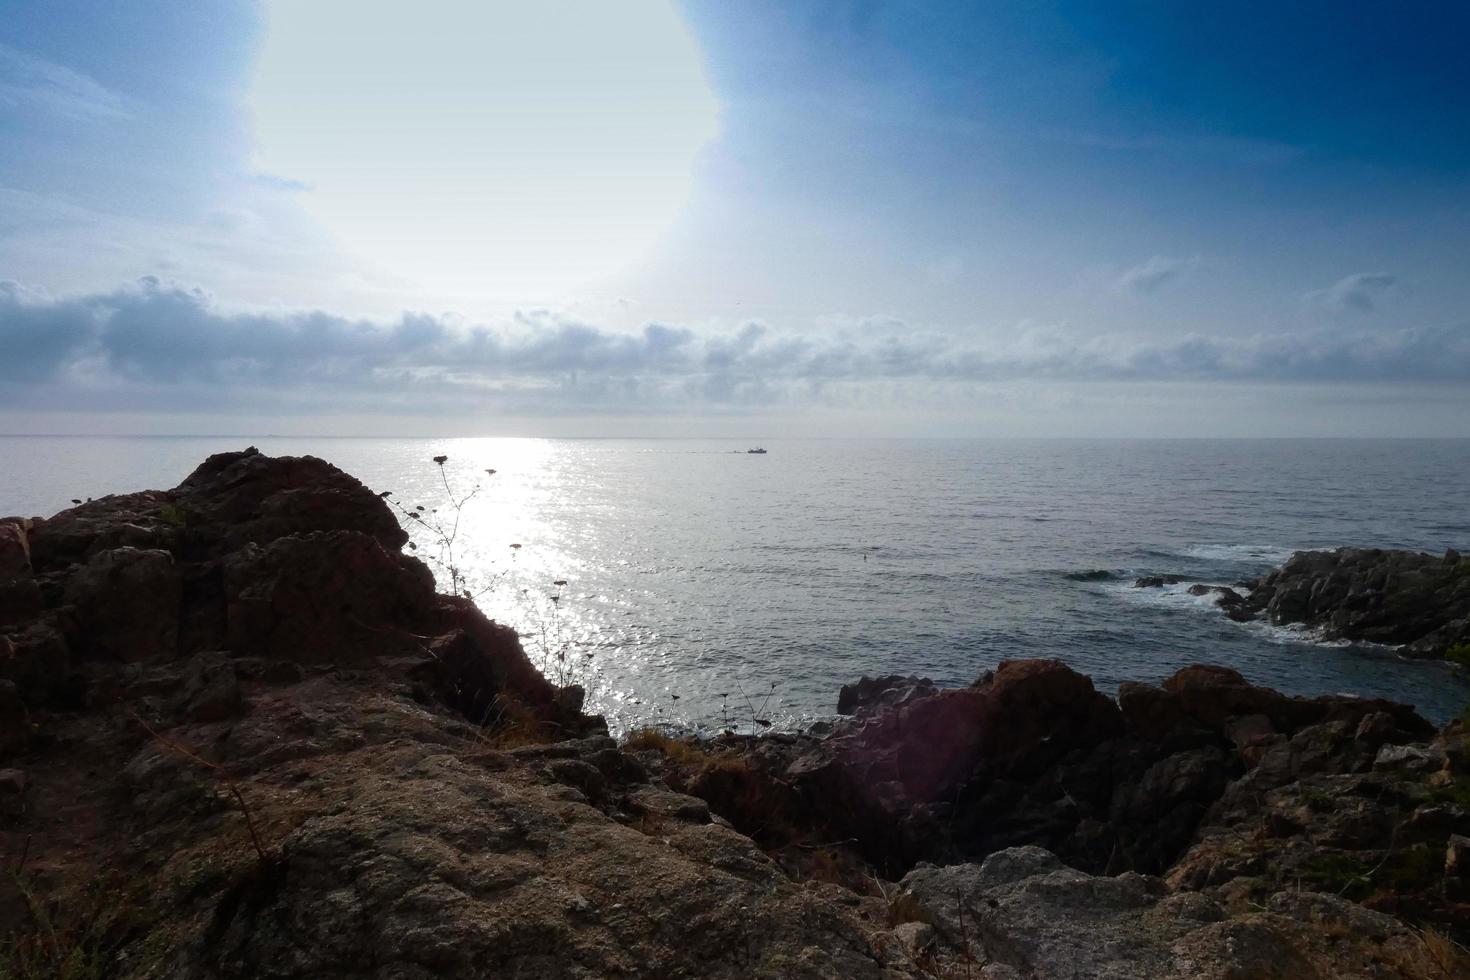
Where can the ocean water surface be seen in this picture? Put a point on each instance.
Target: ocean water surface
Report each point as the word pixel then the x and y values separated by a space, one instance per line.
pixel 706 586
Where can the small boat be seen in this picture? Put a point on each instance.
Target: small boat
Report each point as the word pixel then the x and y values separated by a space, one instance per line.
pixel 755 452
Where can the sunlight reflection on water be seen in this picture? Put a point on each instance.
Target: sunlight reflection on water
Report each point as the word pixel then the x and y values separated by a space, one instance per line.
pixel 695 571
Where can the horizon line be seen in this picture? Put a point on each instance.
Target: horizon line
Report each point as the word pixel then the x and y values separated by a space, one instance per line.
pixel 804 438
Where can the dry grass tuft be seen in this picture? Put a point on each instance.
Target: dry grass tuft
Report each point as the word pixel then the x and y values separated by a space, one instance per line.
pixel 1451 958
pixel 684 751
pixel 511 724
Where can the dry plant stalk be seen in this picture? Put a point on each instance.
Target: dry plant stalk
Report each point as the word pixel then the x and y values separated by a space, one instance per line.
pixel 223 774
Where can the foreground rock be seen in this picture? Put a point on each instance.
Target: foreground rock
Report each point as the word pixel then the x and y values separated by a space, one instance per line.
pixel 242 736
pixel 423 856
pixel 1033 754
pixel 1215 784
pixel 1025 914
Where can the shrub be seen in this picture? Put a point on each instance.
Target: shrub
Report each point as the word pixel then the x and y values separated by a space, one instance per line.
pixel 173 515
pixel 1459 655
pixel 438 543
pixel 443 532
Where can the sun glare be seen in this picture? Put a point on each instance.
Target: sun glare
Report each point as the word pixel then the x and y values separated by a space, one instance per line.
pixel 484 149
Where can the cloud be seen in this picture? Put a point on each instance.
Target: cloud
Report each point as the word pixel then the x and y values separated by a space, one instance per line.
pixel 1149 275
pixel 26 80
pixel 1357 293
pixel 277 182
pixel 168 347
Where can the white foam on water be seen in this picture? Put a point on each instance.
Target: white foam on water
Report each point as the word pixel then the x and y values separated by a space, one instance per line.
pixel 1262 553
pixel 1178 597
pixel 1175 596
pixel 1295 634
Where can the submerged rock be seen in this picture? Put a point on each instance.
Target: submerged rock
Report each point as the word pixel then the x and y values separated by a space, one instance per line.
pixel 1092 575
pixel 1156 581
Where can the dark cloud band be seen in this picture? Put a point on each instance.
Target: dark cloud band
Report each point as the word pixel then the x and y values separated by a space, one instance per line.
pixel 167 346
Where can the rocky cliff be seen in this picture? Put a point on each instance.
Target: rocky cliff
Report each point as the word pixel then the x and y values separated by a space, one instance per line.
pixel 242 736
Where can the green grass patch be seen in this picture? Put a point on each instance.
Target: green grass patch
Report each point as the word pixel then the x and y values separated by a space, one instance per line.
pixel 173 515
pixel 79 939
pixel 1406 870
pixel 1457 792
pixel 1318 800
pixel 1340 874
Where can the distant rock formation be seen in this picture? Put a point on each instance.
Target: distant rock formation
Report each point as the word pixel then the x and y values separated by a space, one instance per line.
pixel 1417 602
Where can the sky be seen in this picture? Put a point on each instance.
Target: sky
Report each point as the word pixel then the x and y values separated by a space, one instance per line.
pixel 760 218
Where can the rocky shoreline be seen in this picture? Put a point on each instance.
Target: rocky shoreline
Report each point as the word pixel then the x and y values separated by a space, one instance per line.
pixel 241 735
pixel 1416 602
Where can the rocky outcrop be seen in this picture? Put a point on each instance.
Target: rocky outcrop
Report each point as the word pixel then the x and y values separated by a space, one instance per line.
pixel 1207 781
pixel 1033 754
pixel 421 855
pixel 242 736
pixel 1340 809
pixel 15 548
pixel 1417 602
pixel 870 695
pixel 20 596
pixel 124 604
pixel 1024 914
pixel 286 559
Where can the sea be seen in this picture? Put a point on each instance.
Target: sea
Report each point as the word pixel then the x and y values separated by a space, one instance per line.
pixel 692 585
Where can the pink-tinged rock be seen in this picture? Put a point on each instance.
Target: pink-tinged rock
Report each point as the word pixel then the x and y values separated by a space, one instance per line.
pixel 13 782
pixel 1457 857
pixel 15 550
pixel 1251 735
